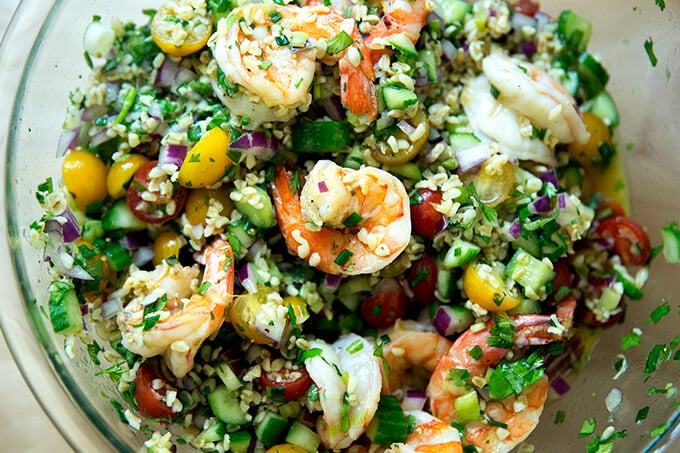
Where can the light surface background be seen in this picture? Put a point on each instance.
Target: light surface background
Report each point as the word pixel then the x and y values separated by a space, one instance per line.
pixel 24 427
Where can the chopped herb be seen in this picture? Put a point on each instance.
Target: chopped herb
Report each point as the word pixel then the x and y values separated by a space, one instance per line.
pixel 493 422
pixel 291 315
pixel 353 220
pixel 494 92
pixel 658 313
pixel 630 340
pixel 476 352
pixel 559 417
pixel 338 43
pixel 93 349
pixel 459 376
pixel 514 377
pixel 313 393
pixel 195 157
pixel 150 322
pixel 661 4
pixel 128 102
pixel 265 65
pixel 203 288
pixel 281 40
pixel 343 257
pixel 658 354
pixel 88 60
pixel 376 310
pixel 309 353
pixel 294 184
pixel 641 415
pixel 355 347
pixel 658 431
pixel 275 16
pixel 587 428
pixel 460 427
pixel 502 333
pixel 488 212
pixel 245 120
pixel 422 274
pixel 649 48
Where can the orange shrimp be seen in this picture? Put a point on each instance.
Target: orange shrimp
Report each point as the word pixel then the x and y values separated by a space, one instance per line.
pixel 331 194
pixel 430 435
pixel 182 324
pixel 407 17
pixel 252 47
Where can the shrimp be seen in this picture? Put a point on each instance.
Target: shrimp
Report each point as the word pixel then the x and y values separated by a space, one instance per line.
pixel 519 413
pixel 185 320
pixel 252 47
pixel 313 223
pixel 430 435
pixel 407 17
pixel 347 375
pixel 524 90
pixel 408 351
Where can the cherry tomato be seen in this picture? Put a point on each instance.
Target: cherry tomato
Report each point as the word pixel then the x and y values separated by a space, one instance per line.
pixel 425 218
pixel 157 211
pixel 150 399
pixel 422 277
pixel 563 276
pixel 526 7
pixel 630 240
pixel 587 317
pixel 288 384
pixel 383 309
pixel 609 208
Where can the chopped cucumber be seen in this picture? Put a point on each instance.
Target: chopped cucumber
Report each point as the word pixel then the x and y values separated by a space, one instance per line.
pixel 350 291
pixel 64 308
pixel 257 208
pixel 467 407
pixel 528 271
pixel 304 437
pixel 119 217
pixel 272 429
pixel 526 307
pixel 407 170
pixel 570 82
pixel 528 242
pixel 459 140
pixel 242 231
pixel 213 433
pixel 460 253
pixel 575 30
pixel 592 74
pixel 291 409
pixel 450 319
pixel 453 11
pixel 389 424
pixel 429 62
pixel 671 243
pixel 630 289
pixel 401 43
pixel 320 136
pixel 239 442
pixel 603 106
pixel 398 98
pixel 92 230
pixel 225 405
pixel 610 298
pixel 446 284
pixel 354 159
pixel 227 375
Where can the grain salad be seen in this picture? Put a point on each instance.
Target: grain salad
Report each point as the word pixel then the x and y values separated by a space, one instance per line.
pixel 339 226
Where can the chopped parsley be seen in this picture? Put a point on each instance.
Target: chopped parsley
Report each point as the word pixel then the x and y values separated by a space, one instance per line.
pixel 203 288
pixel 661 4
pixel 587 428
pixel 502 333
pixel 649 48
pixel 641 415
pixel 514 377
pixel 459 376
pixel 494 92
pixel 658 354
pixel 630 340
pixel 355 346
pixel 559 417
pixel 476 352
pixel 658 313
pixel 93 349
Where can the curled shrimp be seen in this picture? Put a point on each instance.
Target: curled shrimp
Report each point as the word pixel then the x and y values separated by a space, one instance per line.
pixel 407 17
pixel 347 375
pixel 519 414
pixel 180 321
pixel 252 47
pixel 408 352
pixel 523 90
pixel 314 223
pixel 429 435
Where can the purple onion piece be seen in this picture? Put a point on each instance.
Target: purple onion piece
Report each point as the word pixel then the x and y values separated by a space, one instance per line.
pixel 414 400
pixel 99 137
pixel 519 20
pixel 515 229
pixel 560 385
pixel 562 200
pixel 70 229
pixel 68 140
pixel 541 204
pixel 470 158
pixel 332 282
pixel 386 285
pixel 77 272
pixel 542 19
pixel 323 188
pixel 449 50
pixel 448 321
pixel 334 108
pixel 93 112
pixel 421 80
pixel 406 127
pixel 133 240
pixel 165 76
pixel 442 224
pixel 528 48
pixel 142 256
pixel 246 275
pixel 172 155
pixel 442 320
pixel 257 144
pixel 111 307
pixel 550 177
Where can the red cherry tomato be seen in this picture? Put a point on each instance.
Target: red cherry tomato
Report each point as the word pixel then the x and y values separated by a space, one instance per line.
pixel 152 212
pixel 383 309
pixel 588 317
pixel 609 208
pixel 630 240
pixel 286 383
pixel 526 7
pixel 563 275
pixel 425 218
pixel 149 399
pixel 422 278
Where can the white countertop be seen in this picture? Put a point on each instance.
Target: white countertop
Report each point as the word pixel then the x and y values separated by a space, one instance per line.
pixel 24 427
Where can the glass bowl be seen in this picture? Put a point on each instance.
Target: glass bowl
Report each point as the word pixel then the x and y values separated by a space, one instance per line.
pixel 41 60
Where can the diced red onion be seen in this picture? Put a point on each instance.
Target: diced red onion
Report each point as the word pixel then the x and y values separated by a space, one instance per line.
pixel 99 137
pixel 256 250
pixel 275 329
pixel 562 200
pixel 258 144
pixel 542 19
pixel 334 108
pixel 172 155
pixel 541 204
pixel 323 188
pixel 447 321
pixel 421 80
pixel 434 16
pixel 111 307
pixel 142 256
pixel 93 112
pixel 560 385
pixel 613 400
pixel 70 228
pixel 183 75
pixel 386 285
pixel 470 158
pixel 112 90
pixel 68 140
pixel 156 112
pixel 550 177
pixel 414 400
pixel 76 272
pixel 171 75
pixel 132 240
pixel 492 12
pixel 442 224
pixel 519 20
pixel 449 50
pixel 246 275
pixel 332 282
pixel 528 48
pixel 515 229
pixel 406 127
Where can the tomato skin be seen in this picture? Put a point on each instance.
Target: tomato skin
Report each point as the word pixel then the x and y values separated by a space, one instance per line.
pixel 425 218
pixel 526 7
pixel 149 399
pixel 383 309
pixel 294 383
pixel 424 272
pixel 148 212
pixel 563 275
pixel 609 208
pixel 630 240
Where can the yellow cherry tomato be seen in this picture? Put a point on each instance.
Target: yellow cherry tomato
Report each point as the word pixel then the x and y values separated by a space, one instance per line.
pixel 166 245
pixel 494 182
pixel 84 176
pixel 415 141
pixel 97 265
pixel 485 286
pixel 121 173
pixel 198 202
pixel 244 311
pixel 179 29
pixel 588 153
pixel 207 161
pixel 299 308
pixel 286 448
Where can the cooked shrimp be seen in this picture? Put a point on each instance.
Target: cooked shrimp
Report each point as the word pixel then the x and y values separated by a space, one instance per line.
pixel 519 413
pixel 185 320
pixel 348 379
pixel 407 17
pixel 430 435
pixel 253 48
pixel 313 222
pixel 408 351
